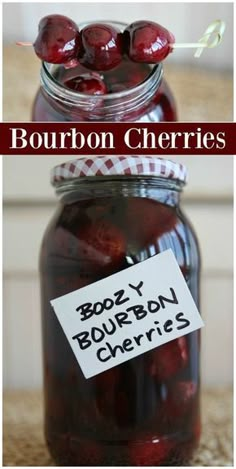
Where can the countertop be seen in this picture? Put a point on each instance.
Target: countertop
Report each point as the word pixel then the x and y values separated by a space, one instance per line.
pixel 201 95
pixel 23 443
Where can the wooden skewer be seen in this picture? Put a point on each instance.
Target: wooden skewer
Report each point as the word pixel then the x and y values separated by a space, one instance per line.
pixel 19 43
pixel 183 45
pixel 215 29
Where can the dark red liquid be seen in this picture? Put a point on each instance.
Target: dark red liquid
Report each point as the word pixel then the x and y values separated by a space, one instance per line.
pixel 146 410
pixel 160 106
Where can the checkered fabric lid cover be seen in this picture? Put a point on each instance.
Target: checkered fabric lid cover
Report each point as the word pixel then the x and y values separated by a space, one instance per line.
pixel 118 165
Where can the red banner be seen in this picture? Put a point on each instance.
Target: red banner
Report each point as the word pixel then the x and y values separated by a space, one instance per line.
pixel 91 138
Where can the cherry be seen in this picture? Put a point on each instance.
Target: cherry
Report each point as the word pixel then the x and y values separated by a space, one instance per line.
pixel 184 392
pixel 102 244
pixel 181 397
pixel 159 219
pixel 150 453
pixel 90 452
pixel 165 361
pixel 146 41
pixel 105 384
pixel 107 380
pixel 87 83
pixel 58 39
pixel 102 47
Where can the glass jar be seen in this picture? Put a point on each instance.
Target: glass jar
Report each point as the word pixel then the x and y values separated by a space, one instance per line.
pixel 136 92
pixel 115 212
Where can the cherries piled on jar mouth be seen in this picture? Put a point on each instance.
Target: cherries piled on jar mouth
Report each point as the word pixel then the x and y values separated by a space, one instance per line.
pixel 100 46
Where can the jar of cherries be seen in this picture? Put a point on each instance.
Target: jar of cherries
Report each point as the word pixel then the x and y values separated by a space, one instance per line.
pixel 102 72
pixel 115 212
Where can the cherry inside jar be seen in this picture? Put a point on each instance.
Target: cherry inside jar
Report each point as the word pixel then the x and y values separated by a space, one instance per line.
pixel 134 92
pixel 144 412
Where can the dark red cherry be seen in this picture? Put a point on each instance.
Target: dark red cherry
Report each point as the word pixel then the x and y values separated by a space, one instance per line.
pixel 58 39
pixel 168 359
pixel 87 83
pixel 152 212
pixel 181 397
pixel 102 244
pixel 146 41
pixel 149 453
pixel 102 47
pixel 90 452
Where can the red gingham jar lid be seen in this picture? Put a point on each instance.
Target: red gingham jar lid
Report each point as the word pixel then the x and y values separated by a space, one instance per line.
pixel 118 165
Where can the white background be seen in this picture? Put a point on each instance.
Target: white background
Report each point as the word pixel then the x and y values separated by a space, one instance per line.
pixel 29 202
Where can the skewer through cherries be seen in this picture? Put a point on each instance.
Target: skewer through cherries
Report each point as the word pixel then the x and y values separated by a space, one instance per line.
pixel 100 46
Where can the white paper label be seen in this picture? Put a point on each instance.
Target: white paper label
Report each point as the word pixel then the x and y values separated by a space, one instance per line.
pixel 127 314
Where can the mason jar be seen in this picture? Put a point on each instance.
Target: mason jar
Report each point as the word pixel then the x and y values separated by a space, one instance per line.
pixel 113 213
pixel 136 92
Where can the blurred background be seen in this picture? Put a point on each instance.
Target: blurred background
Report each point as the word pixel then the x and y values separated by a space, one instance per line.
pixel 202 87
pixel 29 202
